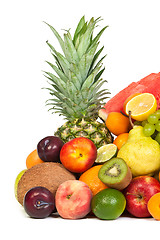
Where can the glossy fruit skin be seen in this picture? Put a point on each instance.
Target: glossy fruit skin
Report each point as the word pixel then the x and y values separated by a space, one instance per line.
pixel 157 138
pixel 148 129
pixel 49 148
pixel 90 177
pixel 117 123
pixel 152 118
pixel 39 202
pixel 138 193
pixel 78 155
pixel 33 159
pixel 108 204
pixel 120 140
pixel 154 206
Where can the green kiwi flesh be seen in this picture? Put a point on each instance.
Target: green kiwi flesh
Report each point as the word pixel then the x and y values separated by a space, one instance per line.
pixel 115 173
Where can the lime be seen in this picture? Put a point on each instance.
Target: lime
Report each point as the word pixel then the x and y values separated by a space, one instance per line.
pixel 106 152
pixel 108 204
pixel 17 181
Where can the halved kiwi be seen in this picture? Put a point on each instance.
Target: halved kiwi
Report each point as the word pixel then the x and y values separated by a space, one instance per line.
pixel 115 173
pixel 48 174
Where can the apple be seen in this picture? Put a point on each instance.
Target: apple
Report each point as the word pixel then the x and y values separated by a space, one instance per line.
pixel 48 149
pixel 138 193
pixel 78 155
pixel 73 199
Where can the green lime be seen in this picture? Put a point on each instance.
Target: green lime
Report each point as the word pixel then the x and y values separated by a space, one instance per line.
pixel 106 152
pixel 17 181
pixel 108 204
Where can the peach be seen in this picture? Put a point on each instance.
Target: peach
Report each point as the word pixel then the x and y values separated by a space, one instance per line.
pixel 78 155
pixel 73 199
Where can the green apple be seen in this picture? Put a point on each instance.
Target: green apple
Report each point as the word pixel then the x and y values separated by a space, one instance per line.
pixel 17 181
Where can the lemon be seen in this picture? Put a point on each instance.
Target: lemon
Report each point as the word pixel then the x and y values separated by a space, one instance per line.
pixel 108 204
pixel 141 106
pixel 106 152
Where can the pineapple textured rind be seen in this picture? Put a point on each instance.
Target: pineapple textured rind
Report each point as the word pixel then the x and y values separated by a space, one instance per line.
pixel 94 130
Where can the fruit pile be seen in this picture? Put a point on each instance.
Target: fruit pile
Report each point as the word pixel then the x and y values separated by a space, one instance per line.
pixel 76 179
pixel 90 167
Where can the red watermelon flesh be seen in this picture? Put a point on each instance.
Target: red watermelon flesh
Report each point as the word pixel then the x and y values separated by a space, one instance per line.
pixel 150 84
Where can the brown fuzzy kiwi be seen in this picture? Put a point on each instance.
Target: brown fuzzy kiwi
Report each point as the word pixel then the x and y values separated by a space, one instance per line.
pixel 115 173
pixel 48 174
pixel 124 183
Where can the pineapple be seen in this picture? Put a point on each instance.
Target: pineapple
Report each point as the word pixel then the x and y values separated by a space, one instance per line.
pixel 75 89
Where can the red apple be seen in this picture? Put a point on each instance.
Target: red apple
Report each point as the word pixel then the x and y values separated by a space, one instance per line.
pixel 78 155
pixel 73 199
pixel 138 193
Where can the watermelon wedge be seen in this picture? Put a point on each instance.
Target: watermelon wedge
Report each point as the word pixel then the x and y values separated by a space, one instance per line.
pixel 150 84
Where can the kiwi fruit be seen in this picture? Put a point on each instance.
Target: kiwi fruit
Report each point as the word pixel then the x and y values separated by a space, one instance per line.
pixel 115 173
pixel 48 174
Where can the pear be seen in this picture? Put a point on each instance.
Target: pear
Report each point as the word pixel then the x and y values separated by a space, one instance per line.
pixel 141 153
pixel 17 181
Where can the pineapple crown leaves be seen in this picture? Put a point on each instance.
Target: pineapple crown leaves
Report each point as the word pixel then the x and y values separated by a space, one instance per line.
pixel 76 84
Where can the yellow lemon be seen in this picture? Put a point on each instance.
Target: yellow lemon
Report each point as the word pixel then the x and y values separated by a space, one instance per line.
pixel 141 106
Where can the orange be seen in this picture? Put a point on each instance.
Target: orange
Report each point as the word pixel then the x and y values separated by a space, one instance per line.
pixel 117 123
pixel 141 106
pixel 154 206
pixel 120 140
pixel 90 177
pixel 33 159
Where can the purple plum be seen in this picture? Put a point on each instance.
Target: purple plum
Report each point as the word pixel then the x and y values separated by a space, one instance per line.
pixel 49 149
pixel 39 202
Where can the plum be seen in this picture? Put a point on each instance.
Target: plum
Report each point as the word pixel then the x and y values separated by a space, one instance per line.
pixel 39 202
pixel 49 149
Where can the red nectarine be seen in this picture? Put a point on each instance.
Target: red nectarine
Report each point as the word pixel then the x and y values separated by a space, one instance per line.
pixel 78 155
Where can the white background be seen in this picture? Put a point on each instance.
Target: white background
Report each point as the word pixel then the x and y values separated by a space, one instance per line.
pixel 132 45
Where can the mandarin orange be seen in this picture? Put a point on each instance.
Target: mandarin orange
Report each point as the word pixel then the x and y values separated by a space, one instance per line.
pixel 90 177
pixel 33 159
pixel 120 140
pixel 154 206
pixel 117 123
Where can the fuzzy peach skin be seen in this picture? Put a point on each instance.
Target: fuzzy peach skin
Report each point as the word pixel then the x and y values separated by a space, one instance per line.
pixel 78 155
pixel 73 199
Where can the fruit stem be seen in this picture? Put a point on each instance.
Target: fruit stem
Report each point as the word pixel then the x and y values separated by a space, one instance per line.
pixel 123 114
pixel 130 119
pixel 136 195
pixel 40 204
pixel 68 196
